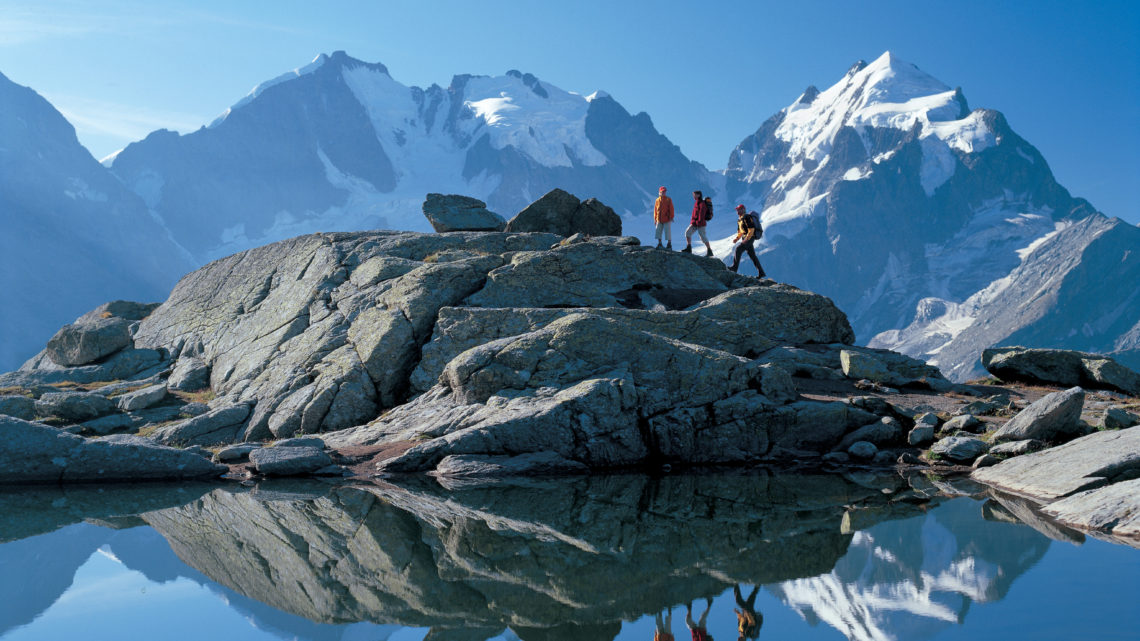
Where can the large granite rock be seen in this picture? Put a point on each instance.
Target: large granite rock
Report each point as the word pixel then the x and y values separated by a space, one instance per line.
pixel 1061 367
pixel 88 341
pixel 74 406
pixel 126 364
pixel 1114 508
pixel 289 461
pixel 35 453
pixel 1053 417
pixel 460 213
pixel 215 427
pixel 18 406
pixel 562 213
pixel 959 449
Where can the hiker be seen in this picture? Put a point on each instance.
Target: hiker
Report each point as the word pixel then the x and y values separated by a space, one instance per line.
pixel 663 218
pixel 699 630
pixel 748 229
pixel 664 631
pixel 702 212
pixel 748 620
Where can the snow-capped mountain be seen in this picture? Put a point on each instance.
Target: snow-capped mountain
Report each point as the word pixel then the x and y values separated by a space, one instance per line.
pixel 888 194
pixel 341 145
pixel 74 236
pixel 914 578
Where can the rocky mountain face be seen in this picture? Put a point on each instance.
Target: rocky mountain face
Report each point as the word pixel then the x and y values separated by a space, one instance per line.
pixel 932 225
pixel 340 145
pixel 74 236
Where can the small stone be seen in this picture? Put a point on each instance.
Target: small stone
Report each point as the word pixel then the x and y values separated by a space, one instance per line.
pixel 963 423
pixel 141 399
pixel 960 449
pixel 235 453
pixel 920 435
pixel 1016 448
pixel 986 460
pixel 289 461
pixel 1116 418
pixel 862 450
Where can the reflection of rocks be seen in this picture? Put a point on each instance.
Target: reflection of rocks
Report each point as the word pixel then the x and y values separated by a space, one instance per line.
pixel 532 555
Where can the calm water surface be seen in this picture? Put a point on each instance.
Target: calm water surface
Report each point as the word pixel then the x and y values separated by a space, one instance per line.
pixel 858 556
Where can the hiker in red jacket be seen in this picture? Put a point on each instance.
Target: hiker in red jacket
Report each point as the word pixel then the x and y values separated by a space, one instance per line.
pixel 697 222
pixel 663 218
pixel 748 229
pixel 699 630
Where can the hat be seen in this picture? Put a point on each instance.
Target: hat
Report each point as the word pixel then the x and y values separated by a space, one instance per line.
pixel 740 208
pixel 662 188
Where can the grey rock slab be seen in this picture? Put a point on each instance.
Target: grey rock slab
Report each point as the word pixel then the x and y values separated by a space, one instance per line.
pixel 214 427
pixel 35 453
pixel 125 309
pixel 89 341
pixel 125 364
pixel 1053 417
pixel 1081 464
pixel 535 464
pixel 303 441
pixel 195 409
pixel 885 431
pixel 289 461
pixel 142 399
pixel 107 424
pixel 960 449
pixel 1114 509
pixel 1061 367
pixel 74 406
pixel 986 460
pixel 448 213
pixel 18 406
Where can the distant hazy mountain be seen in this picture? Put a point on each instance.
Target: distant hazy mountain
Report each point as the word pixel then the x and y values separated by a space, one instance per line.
pixel 340 145
pixel 929 223
pixel 74 236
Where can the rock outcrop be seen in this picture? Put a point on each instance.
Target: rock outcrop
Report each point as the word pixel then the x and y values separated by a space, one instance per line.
pixel 1061 367
pixel 559 212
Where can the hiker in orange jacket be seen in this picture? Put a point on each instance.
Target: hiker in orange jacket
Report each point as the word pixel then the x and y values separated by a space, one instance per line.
pixel 663 218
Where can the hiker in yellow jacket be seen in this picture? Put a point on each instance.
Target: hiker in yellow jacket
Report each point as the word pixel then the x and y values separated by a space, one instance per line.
pixel 663 218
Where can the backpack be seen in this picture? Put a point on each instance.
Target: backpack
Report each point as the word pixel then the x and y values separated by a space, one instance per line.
pixel 755 219
pixel 708 212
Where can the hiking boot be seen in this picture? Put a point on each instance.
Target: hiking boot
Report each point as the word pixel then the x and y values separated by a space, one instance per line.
pixel 687 250
pixel 658 244
pixel 669 246
pixel 708 254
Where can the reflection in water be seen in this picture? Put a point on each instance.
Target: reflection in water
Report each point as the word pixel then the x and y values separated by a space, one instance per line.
pixel 874 557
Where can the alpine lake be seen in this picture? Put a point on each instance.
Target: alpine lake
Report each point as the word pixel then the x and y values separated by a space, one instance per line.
pixel 855 555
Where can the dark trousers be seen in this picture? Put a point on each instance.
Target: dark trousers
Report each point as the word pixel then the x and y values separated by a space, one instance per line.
pixel 747 246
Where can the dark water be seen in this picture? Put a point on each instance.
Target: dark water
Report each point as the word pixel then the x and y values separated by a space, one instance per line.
pixel 828 557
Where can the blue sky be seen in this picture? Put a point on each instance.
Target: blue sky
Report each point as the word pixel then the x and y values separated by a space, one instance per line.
pixel 1065 74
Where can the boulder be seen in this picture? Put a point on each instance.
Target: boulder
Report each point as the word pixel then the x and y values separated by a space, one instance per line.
pixel 959 449
pixel 74 406
pixel 1061 367
pixel 125 309
pixel 289 461
pixel 18 406
pixel 35 453
pixel 559 212
pixel 212 428
pixel 125 364
pixel 190 374
pixel 107 424
pixel 1053 417
pixel 141 399
pixel 920 435
pixel 89 341
pixel 885 367
pixel 448 213
pixel 1114 418
pixel 986 460
pixel 235 453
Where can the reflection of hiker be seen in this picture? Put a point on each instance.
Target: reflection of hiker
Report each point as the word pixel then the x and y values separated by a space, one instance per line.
pixel 698 629
pixel 663 218
pixel 702 212
pixel 748 620
pixel 664 630
pixel 748 229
